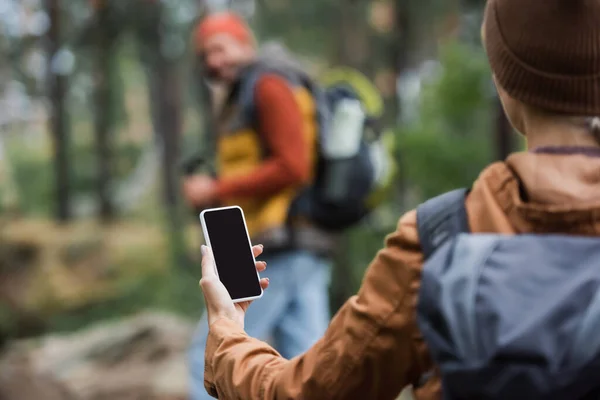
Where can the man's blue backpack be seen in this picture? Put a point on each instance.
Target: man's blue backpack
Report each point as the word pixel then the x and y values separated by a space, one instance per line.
pixel 508 317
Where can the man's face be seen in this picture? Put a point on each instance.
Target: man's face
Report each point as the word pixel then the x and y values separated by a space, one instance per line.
pixel 224 56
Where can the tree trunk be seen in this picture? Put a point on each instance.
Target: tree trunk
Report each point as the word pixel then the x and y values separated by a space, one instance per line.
pixel 104 118
pixel 400 62
pixel 402 35
pixel 57 87
pixel 353 37
pixel 353 50
pixel 169 122
pixel 165 102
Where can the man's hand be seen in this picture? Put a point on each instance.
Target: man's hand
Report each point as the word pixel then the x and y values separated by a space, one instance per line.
pixel 218 302
pixel 200 190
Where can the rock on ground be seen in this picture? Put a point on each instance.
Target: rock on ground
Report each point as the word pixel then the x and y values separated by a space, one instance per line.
pixel 141 358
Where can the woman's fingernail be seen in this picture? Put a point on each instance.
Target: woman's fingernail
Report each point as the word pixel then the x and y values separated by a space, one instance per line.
pixel 203 250
pixel 261 246
pixel 267 279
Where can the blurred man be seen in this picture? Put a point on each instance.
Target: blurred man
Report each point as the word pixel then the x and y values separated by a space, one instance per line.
pixel 266 154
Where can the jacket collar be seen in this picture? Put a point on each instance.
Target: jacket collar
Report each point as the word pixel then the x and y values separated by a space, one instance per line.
pixel 547 193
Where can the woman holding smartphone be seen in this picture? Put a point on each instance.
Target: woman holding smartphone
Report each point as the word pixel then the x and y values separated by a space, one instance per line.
pixel 545 59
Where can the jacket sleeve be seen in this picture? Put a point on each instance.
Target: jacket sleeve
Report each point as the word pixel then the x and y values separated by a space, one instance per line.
pixel 371 350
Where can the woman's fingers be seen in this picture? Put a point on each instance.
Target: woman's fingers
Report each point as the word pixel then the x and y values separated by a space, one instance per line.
pixel 257 250
pixel 261 266
pixel 264 283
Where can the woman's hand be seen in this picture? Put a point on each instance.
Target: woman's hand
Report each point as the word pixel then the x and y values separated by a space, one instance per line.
pixel 218 302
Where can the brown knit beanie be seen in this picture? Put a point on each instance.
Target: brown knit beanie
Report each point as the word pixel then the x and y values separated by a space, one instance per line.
pixel 546 53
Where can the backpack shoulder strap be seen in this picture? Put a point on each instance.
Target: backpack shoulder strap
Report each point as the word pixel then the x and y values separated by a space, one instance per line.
pixel 253 75
pixel 438 220
pixel 441 218
pixel 248 85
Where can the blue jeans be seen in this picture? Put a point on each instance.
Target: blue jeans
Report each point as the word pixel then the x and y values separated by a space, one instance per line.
pixel 293 312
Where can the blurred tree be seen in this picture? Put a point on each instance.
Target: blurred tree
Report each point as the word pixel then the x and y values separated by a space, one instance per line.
pixel 452 140
pixel 307 27
pixel 57 89
pixel 107 30
pixel 163 31
pixel 405 35
pixel 472 14
pixel 351 49
pixel 353 36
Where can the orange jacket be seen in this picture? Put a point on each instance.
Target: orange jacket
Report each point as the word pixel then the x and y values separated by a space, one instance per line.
pixel 373 348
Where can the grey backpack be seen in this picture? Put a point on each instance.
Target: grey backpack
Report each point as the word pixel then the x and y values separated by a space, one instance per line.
pixel 508 317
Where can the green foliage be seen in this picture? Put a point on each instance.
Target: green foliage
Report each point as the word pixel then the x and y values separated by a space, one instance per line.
pixel 173 290
pixel 305 26
pixel 33 178
pixel 33 173
pixel 357 250
pixel 85 161
pixel 451 142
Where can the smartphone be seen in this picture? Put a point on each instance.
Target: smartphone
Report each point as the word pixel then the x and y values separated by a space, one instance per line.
pixel 226 233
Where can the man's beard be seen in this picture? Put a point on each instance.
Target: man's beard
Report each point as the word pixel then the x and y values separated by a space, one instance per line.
pixel 222 76
pixel 212 74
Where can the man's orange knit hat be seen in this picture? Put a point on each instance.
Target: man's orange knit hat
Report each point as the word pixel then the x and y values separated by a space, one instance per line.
pixel 224 22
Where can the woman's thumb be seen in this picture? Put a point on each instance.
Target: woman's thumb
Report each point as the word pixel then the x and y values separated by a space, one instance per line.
pixel 208 263
pixel 211 285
